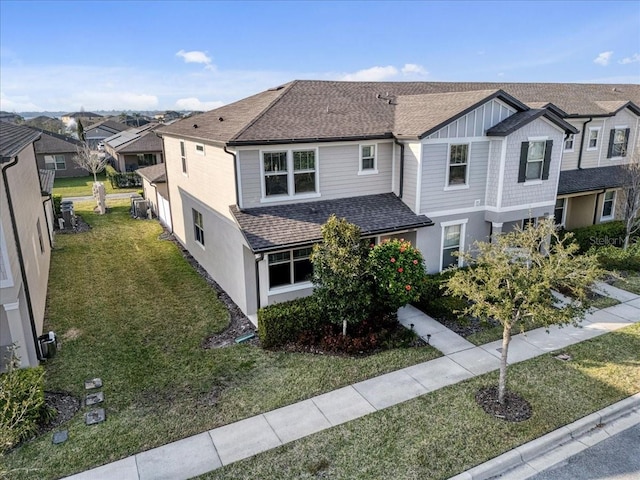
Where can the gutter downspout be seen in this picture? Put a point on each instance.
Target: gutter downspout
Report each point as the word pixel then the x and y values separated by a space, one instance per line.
pixel 584 129
pixel 235 174
pixel 401 186
pixel 595 209
pixel 46 218
pixel 258 260
pixel 14 226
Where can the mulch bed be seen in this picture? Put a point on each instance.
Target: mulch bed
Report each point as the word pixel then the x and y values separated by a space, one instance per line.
pixel 65 407
pixel 80 227
pixel 514 409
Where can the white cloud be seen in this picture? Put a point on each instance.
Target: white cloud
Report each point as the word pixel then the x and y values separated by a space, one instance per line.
pixel 193 103
pixel 196 56
pixel 373 74
pixel 603 59
pixel 19 103
pixel 412 68
pixel 632 59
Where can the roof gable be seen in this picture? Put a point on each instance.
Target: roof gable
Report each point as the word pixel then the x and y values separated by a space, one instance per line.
pixel 13 139
pixel 520 119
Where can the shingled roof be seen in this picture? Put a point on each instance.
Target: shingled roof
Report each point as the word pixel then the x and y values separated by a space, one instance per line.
pixel 590 179
pixel 520 119
pixel 14 138
pixel 50 142
pixel 282 226
pixel 154 173
pixel 310 110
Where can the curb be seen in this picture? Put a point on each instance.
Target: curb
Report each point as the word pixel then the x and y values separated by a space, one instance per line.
pixel 586 432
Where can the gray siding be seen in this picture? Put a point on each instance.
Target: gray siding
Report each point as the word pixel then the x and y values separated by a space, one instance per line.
pixel 493 173
pixel 476 122
pixel 435 162
pixel 411 153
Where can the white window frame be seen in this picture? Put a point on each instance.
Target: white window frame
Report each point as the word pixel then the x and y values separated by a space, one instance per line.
pixel 200 149
pixel 183 157
pixel 361 158
pixel 561 221
pixel 40 237
pixel 530 141
pixel 292 285
pixel 53 160
pixel 613 205
pixel 443 226
pixel 467 164
pixel 529 221
pixel 616 128
pixel 595 147
pixel 571 138
pixel 198 228
pixel 7 281
pixel 290 195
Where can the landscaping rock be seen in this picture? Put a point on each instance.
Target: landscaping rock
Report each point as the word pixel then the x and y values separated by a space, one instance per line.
pixel 93 383
pixel 93 398
pixel 60 437
pixel 94 416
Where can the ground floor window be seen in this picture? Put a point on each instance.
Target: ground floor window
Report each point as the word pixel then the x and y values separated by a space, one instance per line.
pixel 198 227
pixel 55 162
pixel 529 222
pixel 451 243
pixel 608 205
pixel 558 212
pixel 290 267
pixel 145 159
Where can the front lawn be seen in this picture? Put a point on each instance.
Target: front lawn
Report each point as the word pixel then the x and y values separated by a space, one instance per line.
pixel 445 432
pixel 129 309
pixel 82 186
pixel 630 283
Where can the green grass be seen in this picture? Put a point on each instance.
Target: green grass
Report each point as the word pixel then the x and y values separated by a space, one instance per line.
pixel 631 283
pixel 130 310
pixel 82 186
pixel 443 433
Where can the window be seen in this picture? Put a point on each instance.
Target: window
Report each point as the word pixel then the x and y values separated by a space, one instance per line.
pixel 199 149
pixel 452 235
pixel 275 173
pixel 367 158
pixel 594 133
pixel 198 227
pixel 558 212
pixel 184 158
pixel 289 173
pixel 290 267
pixel 304 171
pixel 145 159
pixel 568 143
pixel 39 229
pixel 529 222
pixel 55 162
pixel 458 161
pixel 618 140
pixel 608 205
pixel 535 160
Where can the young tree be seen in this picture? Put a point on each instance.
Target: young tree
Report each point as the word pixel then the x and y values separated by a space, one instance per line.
pixel 90 161
pixel 80 131
pixel 341 274
pixel 511 280
pixel 631 196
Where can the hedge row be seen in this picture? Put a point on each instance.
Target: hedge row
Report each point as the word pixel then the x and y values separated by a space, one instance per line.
pixel 614 258
pixel 600 235
pixel 123 179
pixel 282 323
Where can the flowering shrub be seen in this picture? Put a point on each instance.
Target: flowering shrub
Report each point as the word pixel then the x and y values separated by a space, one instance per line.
pixel 398 271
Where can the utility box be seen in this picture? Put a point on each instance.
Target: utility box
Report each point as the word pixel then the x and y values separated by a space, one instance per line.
pixel 48 345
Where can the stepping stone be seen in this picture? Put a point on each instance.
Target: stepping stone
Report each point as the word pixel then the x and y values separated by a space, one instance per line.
pixel 93 398
pixel 93 383
pixel 94 416
pixel 60 437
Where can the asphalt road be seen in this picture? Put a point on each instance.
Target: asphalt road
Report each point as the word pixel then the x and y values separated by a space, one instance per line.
pixel 617 458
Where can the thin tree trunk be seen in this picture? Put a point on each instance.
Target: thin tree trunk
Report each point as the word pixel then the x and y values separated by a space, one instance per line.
pixel 344 328
pixel 502 382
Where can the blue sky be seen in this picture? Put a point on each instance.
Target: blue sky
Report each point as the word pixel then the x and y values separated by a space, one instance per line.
pixel 198 55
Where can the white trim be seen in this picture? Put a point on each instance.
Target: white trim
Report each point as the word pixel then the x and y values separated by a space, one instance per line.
pixel 613 206
pixel 459 211
pixel 460 221
pixel 564 211
pixel 11 306
pixel 618 127
pixel 420 173
pixel 528 183
pixel 443 226
pixel 393 167
pixel 573 144
pixel 286 288
pixel 368 171
pixel 503 162
pixel 448 167
pixel 306 146
pixel 484 138
pixel 4 258
pixel 291 195
pixel 200 152
pixel 238 172
pixel 598 138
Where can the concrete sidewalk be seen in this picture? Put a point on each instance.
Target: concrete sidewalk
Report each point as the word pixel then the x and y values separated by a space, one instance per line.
pixel 221 446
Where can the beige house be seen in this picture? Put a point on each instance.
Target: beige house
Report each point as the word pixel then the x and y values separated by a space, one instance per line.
pixel 154 186
pixel 25 242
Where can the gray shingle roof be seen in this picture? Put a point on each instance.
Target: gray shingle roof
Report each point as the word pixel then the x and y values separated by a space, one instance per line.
pixel 46 180
pixel 310 110
pixel 590 179
pixel 154 173
pixel 520 119
pixel 108 126
pixel 50 142
pixel 14 138
pixel 281 226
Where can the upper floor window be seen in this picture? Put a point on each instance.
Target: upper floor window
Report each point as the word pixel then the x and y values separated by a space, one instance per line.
pixel 290 267
pixel 200 148
pixel 608 205
pixel 289 172
pixel 569 142
pixel 458 163
pixel 618 140
pixel 183 157
pixel 368 162
pixel 594 135
pixel 198 227
pixel 535 160
pixel 55 162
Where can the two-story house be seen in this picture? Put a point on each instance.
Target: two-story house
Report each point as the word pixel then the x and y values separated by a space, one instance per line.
pixel 25 242
pixel 251 183
pixel 56 152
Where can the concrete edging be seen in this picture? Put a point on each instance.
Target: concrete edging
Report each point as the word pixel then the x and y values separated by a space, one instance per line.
pixel 534 449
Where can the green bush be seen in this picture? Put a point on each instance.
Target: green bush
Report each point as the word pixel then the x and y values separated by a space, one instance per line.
pixel 57 200
pixel 22 405
pixel 445 307
pixel 600 235
pixel 284 322
pixel 123 179
pixel 614 258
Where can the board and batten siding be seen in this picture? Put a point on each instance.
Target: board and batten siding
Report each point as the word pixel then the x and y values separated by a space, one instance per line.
pixel 434 194
pixel 476 122
pixel 410 185
pixel 336 165
pixel 493 173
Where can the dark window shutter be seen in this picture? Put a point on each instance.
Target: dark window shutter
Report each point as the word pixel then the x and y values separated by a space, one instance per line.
pixel 524 152
pixel 612 136
pixel 627 131
pixel 547 160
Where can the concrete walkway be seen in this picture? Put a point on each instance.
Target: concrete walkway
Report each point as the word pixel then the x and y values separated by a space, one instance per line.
pixel 221 446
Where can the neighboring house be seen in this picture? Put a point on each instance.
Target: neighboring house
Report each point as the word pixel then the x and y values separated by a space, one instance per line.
pixel 25 241
pixel 98 132
pixel 135 120
pixel 86 117
pixel 154 185
pixel 168 116
pixel 56 152
pixel 135 148
pixel 10 117
pixel 49 124
pixel 440 164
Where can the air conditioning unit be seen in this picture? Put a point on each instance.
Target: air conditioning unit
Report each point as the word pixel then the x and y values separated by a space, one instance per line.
pixel 140 208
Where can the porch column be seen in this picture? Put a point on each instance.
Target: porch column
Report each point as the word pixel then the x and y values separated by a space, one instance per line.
pixel 17 332
pixel 496 231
